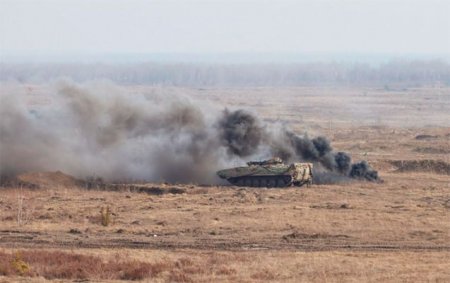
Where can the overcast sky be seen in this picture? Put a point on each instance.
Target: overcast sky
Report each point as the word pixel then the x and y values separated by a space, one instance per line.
pixel 114 26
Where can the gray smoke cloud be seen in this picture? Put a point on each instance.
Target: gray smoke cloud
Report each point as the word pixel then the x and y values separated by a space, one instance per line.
pixel 97 129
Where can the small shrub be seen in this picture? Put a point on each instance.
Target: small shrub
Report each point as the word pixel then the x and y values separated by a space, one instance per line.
pixel 183 262
pixel 179 276
pixel 136 271
pixel 20 266
pixel 105 216
pixel 264 274
pixel 74 231
pixel 187 266
pixel 224 270
pixel 160 267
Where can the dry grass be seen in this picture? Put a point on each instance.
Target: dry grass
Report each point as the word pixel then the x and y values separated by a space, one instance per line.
pixel 250 266
pixel 64 265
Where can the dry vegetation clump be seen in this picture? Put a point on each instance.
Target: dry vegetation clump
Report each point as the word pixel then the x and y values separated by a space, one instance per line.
pixel 64 265
pixel 105 214
pixel 212 265
pixel 264 275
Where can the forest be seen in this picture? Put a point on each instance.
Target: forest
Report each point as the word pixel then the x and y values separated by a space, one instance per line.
pixel 404 73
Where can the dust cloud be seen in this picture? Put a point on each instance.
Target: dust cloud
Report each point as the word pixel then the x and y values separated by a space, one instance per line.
pixel 98 129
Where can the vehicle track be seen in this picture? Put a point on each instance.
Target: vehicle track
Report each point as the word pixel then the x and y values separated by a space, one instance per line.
pixel 19 239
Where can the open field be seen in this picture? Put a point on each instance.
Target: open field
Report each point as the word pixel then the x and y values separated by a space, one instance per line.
pixel 397 230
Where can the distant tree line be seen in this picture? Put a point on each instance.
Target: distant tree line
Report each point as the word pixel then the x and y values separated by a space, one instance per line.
pixel 409 73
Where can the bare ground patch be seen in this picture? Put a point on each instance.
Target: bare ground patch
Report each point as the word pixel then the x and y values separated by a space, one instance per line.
pixel 429 165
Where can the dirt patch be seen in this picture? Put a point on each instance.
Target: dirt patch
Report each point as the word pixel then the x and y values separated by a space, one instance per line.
pixel 447 204
pixel 431 150
pixel 148 189
pixel 39 180
pixel 427 165
pixel 426 137
pixel 301 236
pixel 329 205
pixel 35 180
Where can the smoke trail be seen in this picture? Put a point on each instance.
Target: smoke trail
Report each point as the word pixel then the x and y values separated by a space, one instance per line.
pixel 338 165
pixel 99 129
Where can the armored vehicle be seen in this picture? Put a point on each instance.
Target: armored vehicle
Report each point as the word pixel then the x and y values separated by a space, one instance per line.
pixel 269 173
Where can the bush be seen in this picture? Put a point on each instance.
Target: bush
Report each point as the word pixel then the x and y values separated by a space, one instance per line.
pixel 20 266
pixel 105 216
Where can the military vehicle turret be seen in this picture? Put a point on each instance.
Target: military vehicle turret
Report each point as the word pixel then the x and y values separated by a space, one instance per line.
pixel 269 173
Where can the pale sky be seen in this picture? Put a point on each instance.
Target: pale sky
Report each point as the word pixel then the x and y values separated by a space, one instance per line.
pixel 127 26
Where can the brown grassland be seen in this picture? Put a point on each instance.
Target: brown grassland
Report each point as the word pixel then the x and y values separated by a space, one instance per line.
pixel 394 231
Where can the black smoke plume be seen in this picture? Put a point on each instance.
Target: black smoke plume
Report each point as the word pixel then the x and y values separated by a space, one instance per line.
pixel 337 165
pixel 240 132
pixel 362 170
